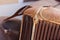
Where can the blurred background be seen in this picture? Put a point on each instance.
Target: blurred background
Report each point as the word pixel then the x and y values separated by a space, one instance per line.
pixel 8 8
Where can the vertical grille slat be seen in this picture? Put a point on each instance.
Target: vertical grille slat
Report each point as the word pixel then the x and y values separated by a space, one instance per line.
pixel 52 32
pixel 56 32
pixel 48 35
pixel 37 38
pixel 39 30
pixel 42 30
pixel 58 35
pixel 27 28
pixel 46 29
pixel 37 27
pixel 35 31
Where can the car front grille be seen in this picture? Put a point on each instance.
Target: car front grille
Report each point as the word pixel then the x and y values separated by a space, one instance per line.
pixel 44 30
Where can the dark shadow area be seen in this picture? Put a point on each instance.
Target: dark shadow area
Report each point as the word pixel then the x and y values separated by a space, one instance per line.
pixel 13 27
